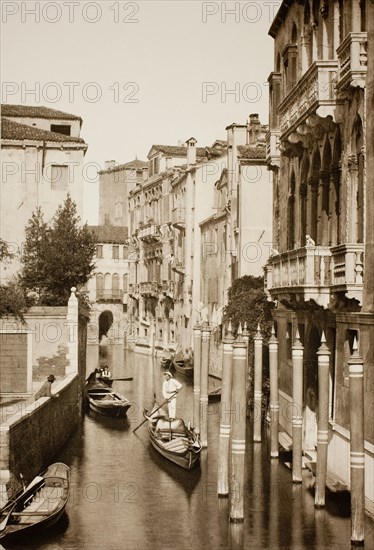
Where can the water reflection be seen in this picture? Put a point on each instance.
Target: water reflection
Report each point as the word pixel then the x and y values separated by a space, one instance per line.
pixel 125 495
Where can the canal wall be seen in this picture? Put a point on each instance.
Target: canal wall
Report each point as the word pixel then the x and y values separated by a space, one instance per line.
pixel 32 432
pixel 31 438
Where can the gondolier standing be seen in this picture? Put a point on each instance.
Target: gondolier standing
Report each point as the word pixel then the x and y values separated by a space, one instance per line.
pixel 169 387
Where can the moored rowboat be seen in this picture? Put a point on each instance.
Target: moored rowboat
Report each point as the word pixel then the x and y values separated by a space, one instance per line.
pixel 104 400
pixel 173 440
pixel 39 506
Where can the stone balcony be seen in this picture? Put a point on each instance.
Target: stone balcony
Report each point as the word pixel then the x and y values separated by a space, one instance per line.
pixel 168 288
pixel 314 92
pixel 178 218
pixel 148 289
pixel 113 295
pixel 315 273
pixel 352 57
pixel 149 233
pixel 178 267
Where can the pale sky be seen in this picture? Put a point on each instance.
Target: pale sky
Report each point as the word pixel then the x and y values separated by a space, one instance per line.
pixel 136 72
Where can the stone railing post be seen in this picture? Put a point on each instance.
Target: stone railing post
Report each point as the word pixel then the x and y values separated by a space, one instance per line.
pixel 72 322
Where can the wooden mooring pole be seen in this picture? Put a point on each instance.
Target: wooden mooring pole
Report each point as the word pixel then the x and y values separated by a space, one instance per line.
pixel 196 377
pixel 238 427
pixel 257 407
pixel 297 409
pixel 323 354
pixel 205 344
pixel 357 454
pixel 274 395
pixel 225 425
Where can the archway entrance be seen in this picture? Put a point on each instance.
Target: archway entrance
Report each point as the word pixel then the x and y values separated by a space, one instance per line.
pixel 105 322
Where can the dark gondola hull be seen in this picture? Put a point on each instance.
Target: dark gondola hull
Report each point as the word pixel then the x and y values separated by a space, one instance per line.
pixel 183 367
pixel 185 459
pixel 33 512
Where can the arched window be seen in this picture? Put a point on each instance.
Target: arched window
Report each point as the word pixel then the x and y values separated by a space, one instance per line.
pixel 115 286
pixel 313 195
pixel 303 197
pixel 360 182
pixel 99 286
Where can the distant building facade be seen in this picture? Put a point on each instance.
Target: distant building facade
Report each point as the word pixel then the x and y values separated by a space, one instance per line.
pixel 42 161
pixel 319 272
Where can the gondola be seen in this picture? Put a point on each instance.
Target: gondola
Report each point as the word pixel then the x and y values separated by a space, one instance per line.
pixel 214 395
pixel 39 506
pixel 183 366
pixel 104 400
pixel 106 380
pixel 173 440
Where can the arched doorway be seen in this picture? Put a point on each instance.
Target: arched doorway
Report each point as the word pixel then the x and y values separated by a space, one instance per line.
pixel 105 322
pixel 313 341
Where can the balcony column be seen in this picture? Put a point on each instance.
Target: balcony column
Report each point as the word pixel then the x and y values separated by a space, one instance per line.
pixel 352 198
pixel 312 207
pixel 323 354
pixel 225 425
pixel 297 409
pixel 303 213
pixel 356 17
pixel 141 307
pixel 323 209
pixel 334 206
pixel 257 412
pixel 357 454
pixel 274 395
pixel 305 42
pixel 336 30
pixel 196 377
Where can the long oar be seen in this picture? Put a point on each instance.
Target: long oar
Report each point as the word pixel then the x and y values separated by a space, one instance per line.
pixel 120 379
pixel 158 408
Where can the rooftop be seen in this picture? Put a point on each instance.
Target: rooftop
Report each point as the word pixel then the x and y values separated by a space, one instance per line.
pixel 252 152
pixel 181 151
pixel 132 165
pixel 19 132
pixel 109 233
pixel 31 111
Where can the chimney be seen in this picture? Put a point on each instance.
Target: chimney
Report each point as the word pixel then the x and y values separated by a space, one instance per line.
pixel 191 151
pixel 145 173
pixel 254 128
pixel 110 164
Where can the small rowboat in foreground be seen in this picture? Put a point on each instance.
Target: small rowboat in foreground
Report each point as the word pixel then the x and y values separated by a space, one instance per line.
pixel 39 506
pixel 104 400
pixel 173 440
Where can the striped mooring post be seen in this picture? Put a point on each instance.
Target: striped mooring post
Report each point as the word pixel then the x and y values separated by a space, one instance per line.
pixel 274 395
pixel 323 354
pixel 257 411
pixel 357 453
pixel 196 377
pixel 225 425
pixel 205 344
pixel 297 409
pixel 238 429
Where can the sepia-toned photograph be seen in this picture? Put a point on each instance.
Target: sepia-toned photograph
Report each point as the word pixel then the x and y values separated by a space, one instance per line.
pixel 187 275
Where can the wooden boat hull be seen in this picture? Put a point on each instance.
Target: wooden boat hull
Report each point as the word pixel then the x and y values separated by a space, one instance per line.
pixel 182 450
pixel 39 506
pixel 106 381
pixel 104 400
pixel 214 395
pixel 183 367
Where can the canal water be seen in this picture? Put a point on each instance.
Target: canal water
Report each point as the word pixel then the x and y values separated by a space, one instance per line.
pixel 125 496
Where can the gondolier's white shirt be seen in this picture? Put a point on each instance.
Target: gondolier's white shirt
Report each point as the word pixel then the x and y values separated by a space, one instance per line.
pixel 170 386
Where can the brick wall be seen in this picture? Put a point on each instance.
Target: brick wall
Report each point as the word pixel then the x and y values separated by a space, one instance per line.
pixel 13 362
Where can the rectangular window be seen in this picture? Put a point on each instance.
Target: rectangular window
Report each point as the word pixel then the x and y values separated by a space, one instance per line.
pixel 64 129
pixel 99 251
pixel 156 165
pixel 59 177
pixel 115 252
